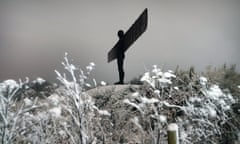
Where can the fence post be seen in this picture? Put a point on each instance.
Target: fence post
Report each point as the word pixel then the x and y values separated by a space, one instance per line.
pixel 173 134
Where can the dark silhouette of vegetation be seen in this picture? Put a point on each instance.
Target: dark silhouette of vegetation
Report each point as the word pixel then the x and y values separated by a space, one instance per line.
pixel 226 77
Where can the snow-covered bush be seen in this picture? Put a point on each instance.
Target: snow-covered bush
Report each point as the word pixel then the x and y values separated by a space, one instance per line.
pixel 38 112
pixel 79 104
pixel 201 110
pixel 11 112
pixel 41 112
pixel 8 89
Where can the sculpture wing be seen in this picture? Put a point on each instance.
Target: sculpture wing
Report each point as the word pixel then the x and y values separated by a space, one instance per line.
pixel 133 33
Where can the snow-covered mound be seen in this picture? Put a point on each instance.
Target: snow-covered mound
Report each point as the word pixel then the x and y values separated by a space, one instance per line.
pixel 40 112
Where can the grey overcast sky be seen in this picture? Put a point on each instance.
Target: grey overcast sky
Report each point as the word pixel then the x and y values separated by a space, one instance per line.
pixel 34 34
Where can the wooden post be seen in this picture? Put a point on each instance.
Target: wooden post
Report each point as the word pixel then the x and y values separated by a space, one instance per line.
pixel 173 134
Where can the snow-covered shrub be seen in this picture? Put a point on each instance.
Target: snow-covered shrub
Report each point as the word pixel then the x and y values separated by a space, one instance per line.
pixel 158 79
pixel 226 76
pixel 11 112
pixel 201 110
pixel 206 115
pixel 79 104
pixel 8 89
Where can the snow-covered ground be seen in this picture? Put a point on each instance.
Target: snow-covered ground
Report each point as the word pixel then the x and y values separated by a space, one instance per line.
pixel 39 112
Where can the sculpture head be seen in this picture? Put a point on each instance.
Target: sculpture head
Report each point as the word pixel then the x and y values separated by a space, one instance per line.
pixel 120 33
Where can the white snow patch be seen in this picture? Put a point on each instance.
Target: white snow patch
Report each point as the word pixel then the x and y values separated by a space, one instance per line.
pixel 215 92
pixel 135 94
pixel 135 120
pixel 55 112
pixel 157 92
pixel 195 99
pixel 227 107
pixel 92 64
pixel 94 82
pixel 212 112
pixel 8 84
pixel 27 102
pixel 88 85
pixel 147 78
pixel 230 97
pixel 103 83
pixel 62 133
pixel 222 102
pixel 40 80
pixel 104 112
pixel 40 116
pixel 203 80
pixel 169 75
pixel 157 71
pixel 164 80
pixel 176 88
pixel 162 118
pixel 149 101
pixel 54 99
pixel 126 101
pixel 172 127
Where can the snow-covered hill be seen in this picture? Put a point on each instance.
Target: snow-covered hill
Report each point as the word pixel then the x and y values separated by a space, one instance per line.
pixel 40 112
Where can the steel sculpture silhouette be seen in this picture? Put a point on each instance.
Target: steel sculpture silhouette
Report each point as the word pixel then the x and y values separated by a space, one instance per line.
pixel 125 41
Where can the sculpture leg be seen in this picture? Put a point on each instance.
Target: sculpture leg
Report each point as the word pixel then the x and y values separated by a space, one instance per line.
pixel 120 71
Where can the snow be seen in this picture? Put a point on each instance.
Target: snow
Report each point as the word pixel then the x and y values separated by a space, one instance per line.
pixel 176 88
pixel 92 64
pixel 147 78
pixel 173 127
pixel 164 81
pixel 169 75
pixel 89 68
pixel 230 97
pixel 40 80
pixel 195 99
pixel 54 99
pixel 135 120
pixel 157 92
pixel 103 83
pixel 8 84
pixel 158 78
pixel 62 133
pixel 221 102
pixel 27 102
pixel 162 118
pixel 88 85
pixel 212 112
pixel 203 80
pixel 157 70
pixel 205 110
pixel 104 112
pixel 55 112
pixel 126 101
pixel 172 105
pixel 95 82
pixel 149 101
pixel 40 116
pixel 135 94
pixel 214 92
